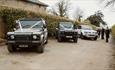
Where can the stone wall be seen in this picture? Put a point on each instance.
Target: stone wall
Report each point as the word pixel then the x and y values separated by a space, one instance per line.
pixel 23 5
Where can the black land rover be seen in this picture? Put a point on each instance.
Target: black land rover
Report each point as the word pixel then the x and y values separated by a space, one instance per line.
pixel 66 30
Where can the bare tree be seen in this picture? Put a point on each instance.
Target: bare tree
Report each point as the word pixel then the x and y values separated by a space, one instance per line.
pixel 109 2
pixel 61 8
pixel 78 14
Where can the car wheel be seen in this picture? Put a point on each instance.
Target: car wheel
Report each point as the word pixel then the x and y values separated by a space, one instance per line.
pixel 75 40
pixel 56 36
pixel 11 48
pixel 95 38
pixel 82 37
pixel 59 39
pixel 40 48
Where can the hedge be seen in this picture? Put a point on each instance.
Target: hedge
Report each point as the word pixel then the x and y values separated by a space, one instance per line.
pixel 113 31
pixel 9 15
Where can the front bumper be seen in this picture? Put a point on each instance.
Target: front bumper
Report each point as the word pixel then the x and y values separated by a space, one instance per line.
pixel 24 42
pixel 90 35
pixel 68 34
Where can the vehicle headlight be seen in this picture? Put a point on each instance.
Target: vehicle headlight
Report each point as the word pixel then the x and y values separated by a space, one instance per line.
pixel 12 37
pixel 34 37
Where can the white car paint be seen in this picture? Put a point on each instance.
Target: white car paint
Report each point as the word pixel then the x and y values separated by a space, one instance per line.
pixel 87 31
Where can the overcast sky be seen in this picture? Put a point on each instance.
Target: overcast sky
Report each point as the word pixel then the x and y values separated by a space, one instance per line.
pixel 89 7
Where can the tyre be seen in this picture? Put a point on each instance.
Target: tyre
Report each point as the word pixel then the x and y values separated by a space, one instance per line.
pixel 75 40
pixel 11 48
pixel 95 38
pixel 82 37
pixel 56 36
pixel 59 39
pixel 40 48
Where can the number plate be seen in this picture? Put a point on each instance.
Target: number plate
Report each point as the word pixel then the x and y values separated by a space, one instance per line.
pixel 23 45
pixel 68 36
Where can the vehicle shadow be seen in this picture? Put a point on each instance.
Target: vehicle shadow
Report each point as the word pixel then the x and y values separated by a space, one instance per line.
pixel 25 50
pixel 88 39
pixel 67 41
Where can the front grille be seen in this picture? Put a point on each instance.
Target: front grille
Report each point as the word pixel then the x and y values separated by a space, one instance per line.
pixel 22 37
pixel 91 35
pixel 69 33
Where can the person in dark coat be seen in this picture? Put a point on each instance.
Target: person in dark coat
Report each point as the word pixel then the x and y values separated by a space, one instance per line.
pixel 102 33
pixel 107 33
pixel 99 32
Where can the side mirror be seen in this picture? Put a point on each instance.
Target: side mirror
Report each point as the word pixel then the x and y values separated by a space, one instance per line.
pixel 17 21
pixel 14 29
pixel 56 28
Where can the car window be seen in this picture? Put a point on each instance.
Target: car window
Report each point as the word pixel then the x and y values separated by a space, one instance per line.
pixel 67 25
pixel 31 24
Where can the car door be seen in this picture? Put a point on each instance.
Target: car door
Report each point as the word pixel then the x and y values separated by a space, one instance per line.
pixel 45 32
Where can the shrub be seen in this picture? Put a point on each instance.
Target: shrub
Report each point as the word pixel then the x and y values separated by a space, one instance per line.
pixel 9 15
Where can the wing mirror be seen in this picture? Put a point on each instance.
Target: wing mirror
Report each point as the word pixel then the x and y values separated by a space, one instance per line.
pixel 17 21
pixel 14 29
pixel 56 28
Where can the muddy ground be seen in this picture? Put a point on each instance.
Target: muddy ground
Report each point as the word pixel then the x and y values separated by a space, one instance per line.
pixel 84 55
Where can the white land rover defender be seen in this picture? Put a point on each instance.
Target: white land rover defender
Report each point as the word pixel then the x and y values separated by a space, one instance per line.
pixel 29 32
pixel 86 31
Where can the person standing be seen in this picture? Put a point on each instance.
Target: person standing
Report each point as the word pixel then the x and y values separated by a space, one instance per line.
pixel 99 32
pixel 102 33
pixel 107 32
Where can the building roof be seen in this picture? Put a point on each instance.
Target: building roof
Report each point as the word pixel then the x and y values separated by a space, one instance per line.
pixel 37 2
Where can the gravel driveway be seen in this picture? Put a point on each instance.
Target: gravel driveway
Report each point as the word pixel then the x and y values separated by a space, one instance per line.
pixel 84 55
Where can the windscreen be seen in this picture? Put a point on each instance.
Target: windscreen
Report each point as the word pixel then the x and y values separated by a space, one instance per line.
pixel 67 25
pixel 31 24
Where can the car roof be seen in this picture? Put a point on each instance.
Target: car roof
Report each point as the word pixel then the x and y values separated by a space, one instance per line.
pixel 28 19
